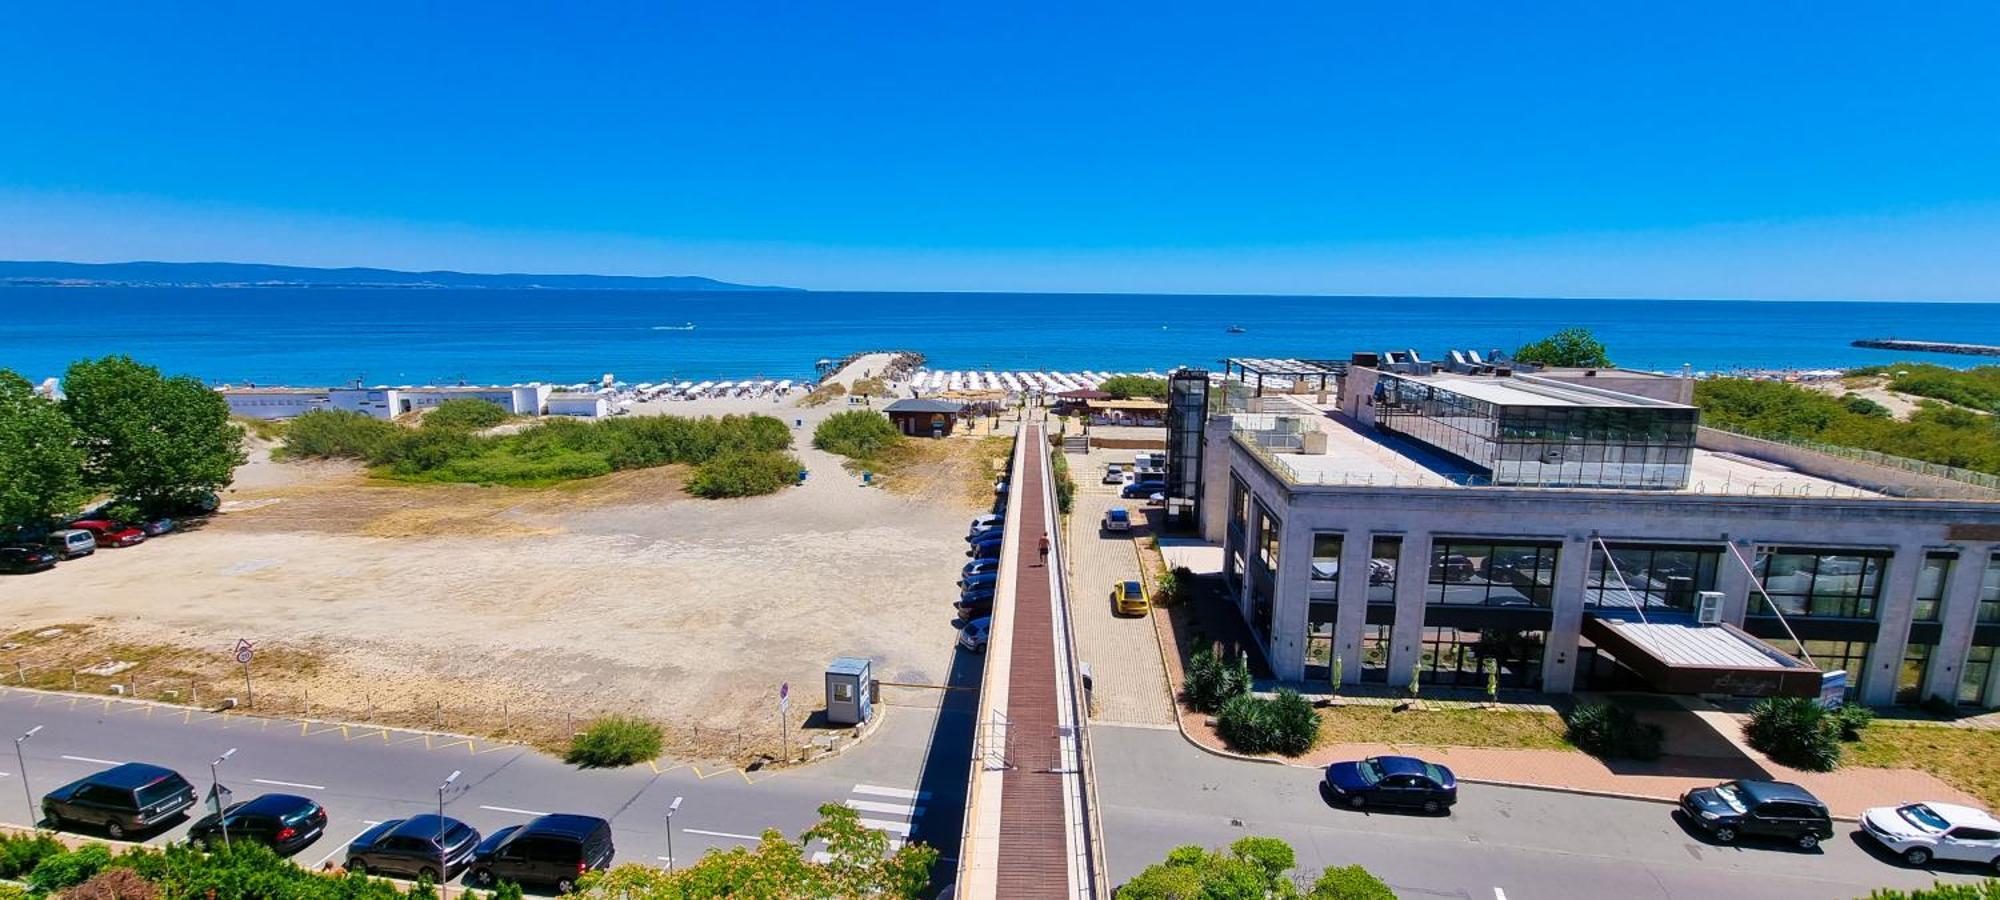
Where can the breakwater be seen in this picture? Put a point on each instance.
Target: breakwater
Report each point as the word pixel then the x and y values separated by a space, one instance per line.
pixel 1928 346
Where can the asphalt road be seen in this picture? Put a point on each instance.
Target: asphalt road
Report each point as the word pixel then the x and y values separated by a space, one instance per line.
pixel 1158 792
pixel 908 778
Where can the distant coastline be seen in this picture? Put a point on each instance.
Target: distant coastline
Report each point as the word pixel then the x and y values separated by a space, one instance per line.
pixel 33 273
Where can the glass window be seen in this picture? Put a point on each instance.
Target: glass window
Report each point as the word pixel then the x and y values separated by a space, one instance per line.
pixel 1375 653
pixel 1989 592
pixel 1466 573
pixel 1453 656
pixel 1322 605
pixel 1658 577
pixel 1851 656
pixel 1841 584
pixel 1910 680
pixel 1269 530
pixel 1383 556
pixel 1239 504
pixel 1326 558
pixel 1931 585
pixel 1976 678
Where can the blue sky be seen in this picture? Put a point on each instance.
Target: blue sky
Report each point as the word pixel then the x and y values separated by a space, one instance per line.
pixel 1824 150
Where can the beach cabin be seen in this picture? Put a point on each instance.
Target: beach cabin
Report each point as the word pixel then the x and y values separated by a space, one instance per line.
pixel 924 418
pixel 1126 412
pixel 585 406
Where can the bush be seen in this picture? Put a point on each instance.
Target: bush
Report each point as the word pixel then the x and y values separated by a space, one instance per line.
pixel 63 870
pixel 1285 724
pixel 19 854
pixel 340 434
pixel 1853 720
pixel 116 883
pixel 615 741
pixel 1213 681
pixel 1065 485
pixel 856 434
pixel 468 413
pixel 1349 883
pixel 1127 387
pixel 1609 731
pixel 1796 732
pixel 744 474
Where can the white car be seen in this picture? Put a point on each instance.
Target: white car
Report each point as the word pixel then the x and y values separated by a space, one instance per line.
pixel 981 523
pixel 973 636
pixel 1922 832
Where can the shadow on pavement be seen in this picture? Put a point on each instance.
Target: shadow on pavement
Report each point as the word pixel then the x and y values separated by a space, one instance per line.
pixel 947 764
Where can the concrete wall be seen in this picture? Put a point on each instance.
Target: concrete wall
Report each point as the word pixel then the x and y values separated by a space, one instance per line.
pixel 1886 479
pixel 273 404
pixel 1643 384
pixel 589 406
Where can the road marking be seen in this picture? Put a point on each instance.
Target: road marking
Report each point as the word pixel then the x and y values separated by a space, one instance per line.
pixel 365 825
pixel 899 793
pixel 740 837
pixel 900 829
pixel 894 809
pixel 1499 894
pixel 93 759
pixel 518 812
pixel 310 787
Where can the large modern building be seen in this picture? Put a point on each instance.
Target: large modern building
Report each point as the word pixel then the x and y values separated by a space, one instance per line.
pixel 1578 529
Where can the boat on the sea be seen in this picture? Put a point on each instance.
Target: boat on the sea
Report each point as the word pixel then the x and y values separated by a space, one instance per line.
pixel 1236 329
pixel 687 327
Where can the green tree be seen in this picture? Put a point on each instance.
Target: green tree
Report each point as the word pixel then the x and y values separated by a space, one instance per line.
pixel 1127 387
pixel 856 434
pixel 1254 868
pixel 41 467
pixel 1349 883
pixel 1570 347
pixel 860 864
pixel 153 441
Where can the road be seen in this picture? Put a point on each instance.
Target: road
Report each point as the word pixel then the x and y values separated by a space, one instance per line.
pixel 908 778
pixel 1157 792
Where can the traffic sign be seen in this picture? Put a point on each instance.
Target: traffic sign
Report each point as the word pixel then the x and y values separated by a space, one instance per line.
pixel 243 649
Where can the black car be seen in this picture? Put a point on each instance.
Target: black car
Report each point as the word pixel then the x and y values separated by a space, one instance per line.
pixel 1767 809
pixel 1143 489
pixel 980 581
pixel 22 560
pixel 984 551
pixel 280 821
pixel 126 799
pixel 1404 781
pixel 553 850
pixel 409 847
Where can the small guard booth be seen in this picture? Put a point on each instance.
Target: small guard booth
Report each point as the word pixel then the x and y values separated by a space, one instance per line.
pixel 847 683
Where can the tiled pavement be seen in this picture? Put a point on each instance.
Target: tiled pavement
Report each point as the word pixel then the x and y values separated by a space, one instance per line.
pixel 1129 684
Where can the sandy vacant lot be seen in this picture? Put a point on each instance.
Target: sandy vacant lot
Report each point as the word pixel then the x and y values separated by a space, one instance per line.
pixel 618 594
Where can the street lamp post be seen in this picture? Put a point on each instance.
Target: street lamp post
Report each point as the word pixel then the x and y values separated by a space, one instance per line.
pixel 215 791
pixel 444 870
pixel 672 808
pixel 22 758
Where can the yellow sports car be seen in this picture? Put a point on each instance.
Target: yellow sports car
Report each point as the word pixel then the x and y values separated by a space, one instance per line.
pixel 1128 598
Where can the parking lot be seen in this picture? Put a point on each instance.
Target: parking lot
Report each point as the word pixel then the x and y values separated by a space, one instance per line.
pixel 1129 680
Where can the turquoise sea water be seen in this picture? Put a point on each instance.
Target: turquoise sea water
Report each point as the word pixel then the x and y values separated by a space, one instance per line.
pixel 323 336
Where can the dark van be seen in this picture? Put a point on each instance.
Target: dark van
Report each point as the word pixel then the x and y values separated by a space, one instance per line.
pixel 554 850
pixel 122 800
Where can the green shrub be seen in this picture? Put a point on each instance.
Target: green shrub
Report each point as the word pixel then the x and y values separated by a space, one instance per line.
pixel 1065 485
pixel 418 452
pixel 1796 732
pixel 524 471
pixel 1349 883
pixel 1609 731
pixel 744 474
pixel 856 434
pixel 1853 720
pixel 1128 387
pixel 469 413
pixel 339 434
pixel 63 870
pixel 615 741
pixel 19 853
pixel 1284 724
pixel 1212 681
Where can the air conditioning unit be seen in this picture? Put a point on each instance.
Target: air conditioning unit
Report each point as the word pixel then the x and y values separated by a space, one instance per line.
pixel 1708 607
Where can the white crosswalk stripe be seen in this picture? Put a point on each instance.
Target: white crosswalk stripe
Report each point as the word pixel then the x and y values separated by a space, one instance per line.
pixel 890 810
pixel 893 809
pixel 899 793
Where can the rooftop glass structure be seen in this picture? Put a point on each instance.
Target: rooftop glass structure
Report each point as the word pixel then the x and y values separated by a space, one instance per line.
pixel 1526 432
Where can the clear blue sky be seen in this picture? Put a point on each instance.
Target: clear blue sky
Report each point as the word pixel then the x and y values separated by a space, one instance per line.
pixel 1593 148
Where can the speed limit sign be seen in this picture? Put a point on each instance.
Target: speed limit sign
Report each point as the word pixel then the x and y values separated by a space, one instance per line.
pixel 243 651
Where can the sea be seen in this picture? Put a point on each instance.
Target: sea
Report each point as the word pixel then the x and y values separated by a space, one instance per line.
pixel 328 336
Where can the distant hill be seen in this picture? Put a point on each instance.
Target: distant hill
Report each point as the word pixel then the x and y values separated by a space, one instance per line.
pixel 255 275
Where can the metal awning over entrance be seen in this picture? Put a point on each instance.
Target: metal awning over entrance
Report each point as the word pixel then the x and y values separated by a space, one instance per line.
pixel 1677 655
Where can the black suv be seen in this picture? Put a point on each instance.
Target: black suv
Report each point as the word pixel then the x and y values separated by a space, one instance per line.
pixel 409 847
pixel 134 797
pixel 553 850
pixel 1767 809
pixel 23 560
pixel 281 822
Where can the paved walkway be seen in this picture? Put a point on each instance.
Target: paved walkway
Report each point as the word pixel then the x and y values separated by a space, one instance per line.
pixel 1129 683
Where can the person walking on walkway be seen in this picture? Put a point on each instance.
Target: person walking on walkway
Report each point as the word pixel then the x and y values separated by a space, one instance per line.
pixel 1045 548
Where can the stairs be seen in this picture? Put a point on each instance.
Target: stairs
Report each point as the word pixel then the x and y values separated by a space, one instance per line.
pixel 1076 444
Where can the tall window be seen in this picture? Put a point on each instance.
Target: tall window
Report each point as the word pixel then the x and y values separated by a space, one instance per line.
pixel 1239 504
pixel 1466 573
pixel 1916 666
pixel 1383 555
pixel 1973 682
pixel 1269 530
pixel 1931 585
pixel 1325 584
pixel 1841 584
pixel 1323 597
pixel 1375 653
pixel 1659 577
pixel 1989 592
pixel 1849 655
pixel 1458 657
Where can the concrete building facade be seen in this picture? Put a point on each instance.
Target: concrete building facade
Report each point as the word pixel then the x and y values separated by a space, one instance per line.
pixel 380 402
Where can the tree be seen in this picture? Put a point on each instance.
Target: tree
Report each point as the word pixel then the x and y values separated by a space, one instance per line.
pixel 1254 868
pixel 1570 347
pixel 856 434
pixel 1127 387
pixel 41 467
pixel 153 441
pixel 859 864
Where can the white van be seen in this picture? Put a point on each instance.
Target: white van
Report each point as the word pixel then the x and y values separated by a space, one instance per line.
pixel 71 543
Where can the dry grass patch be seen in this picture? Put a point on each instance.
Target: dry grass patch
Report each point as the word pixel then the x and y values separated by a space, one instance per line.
pixel 1966 758
pixel 157 671
pixel 1442 728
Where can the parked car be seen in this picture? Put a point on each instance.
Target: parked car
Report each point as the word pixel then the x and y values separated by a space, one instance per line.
pixel 985 534
pixel 970 605
pixel 1381 571
pixel 979 567
pixel 1142 489
pixel 1922 832
pixel 409 848
pixel 1114 474
pixel 23 560
pixel 282 822
pixel 1766 809
pixel 1128 598
pixel 71 543
pixel 1117 518
pixel 127 799
pixel 155 527
pixel 984 551
pixel 981 581
pixel 1455 567
pixel 973 636
pixel 553 850
pixel 981 523
pixel 1404 781
pixel 111 533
